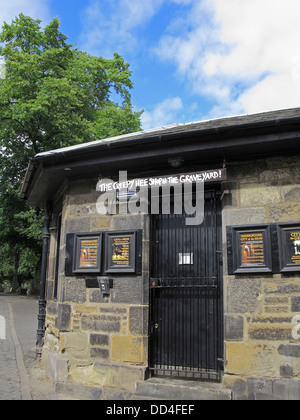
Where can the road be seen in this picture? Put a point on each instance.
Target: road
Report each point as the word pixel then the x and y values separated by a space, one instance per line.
pixel 21 376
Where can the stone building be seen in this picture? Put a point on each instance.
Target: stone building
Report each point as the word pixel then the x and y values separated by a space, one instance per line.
pixel 174 252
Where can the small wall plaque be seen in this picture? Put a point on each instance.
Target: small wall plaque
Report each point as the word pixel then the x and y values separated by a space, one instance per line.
pixel 87 253
pixel 83 253
pixel 252 249
pixel 120 252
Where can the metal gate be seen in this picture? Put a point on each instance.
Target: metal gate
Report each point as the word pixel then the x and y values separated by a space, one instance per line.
pixel 186 316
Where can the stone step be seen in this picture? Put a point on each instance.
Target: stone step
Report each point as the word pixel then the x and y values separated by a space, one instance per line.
pixel 77 391
pixel 177 389
pixel 152 389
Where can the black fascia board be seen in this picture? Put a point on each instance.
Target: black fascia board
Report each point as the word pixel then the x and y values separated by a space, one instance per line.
pixel 229 145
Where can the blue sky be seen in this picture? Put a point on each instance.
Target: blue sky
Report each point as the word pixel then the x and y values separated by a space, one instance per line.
pixel 191 59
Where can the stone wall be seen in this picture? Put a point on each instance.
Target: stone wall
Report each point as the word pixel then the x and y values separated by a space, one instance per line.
pixel 90 338
pixel 260 309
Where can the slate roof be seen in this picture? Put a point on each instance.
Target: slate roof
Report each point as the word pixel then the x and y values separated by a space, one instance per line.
pixel 219 124
pixel 200 144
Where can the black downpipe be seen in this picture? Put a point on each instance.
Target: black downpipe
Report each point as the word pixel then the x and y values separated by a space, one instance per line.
pixel 42 300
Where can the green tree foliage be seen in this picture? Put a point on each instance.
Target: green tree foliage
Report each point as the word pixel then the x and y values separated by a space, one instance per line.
pixel 51 95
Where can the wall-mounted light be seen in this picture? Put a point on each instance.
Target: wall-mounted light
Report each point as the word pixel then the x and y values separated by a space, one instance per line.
pixel 175 162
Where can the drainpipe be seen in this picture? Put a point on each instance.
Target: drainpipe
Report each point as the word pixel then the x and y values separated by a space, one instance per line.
pixel 42 300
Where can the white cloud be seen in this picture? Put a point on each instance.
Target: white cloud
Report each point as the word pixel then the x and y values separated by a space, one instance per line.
pixel 163 114
pixel 35 9
pixel 265 37
pixel 108 25
pixel 242 54
pixel 278 91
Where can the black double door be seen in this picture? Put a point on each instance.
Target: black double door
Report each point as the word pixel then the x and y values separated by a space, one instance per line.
pixel 186 316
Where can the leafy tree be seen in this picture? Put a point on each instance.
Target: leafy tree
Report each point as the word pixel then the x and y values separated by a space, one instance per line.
pixel 51 95
pixel 20 234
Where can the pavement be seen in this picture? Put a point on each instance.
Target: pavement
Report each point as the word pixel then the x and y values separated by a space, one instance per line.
pixel 21 374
